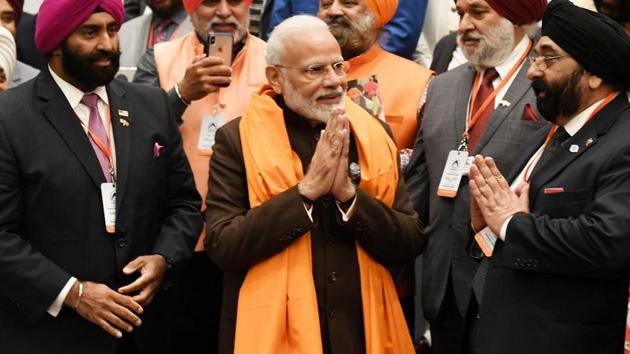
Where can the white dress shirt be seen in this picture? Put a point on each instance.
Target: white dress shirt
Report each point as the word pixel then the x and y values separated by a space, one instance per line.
pixel 74 96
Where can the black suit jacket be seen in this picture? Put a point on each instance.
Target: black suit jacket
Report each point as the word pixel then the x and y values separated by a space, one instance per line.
pixel 559 283
pixel 443 53
pixel 51 220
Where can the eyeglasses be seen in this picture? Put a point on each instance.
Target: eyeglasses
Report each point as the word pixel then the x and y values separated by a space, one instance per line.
pixel 317 71
pixel 543 62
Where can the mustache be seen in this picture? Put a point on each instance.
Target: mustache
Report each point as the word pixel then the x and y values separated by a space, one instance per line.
pixel 326 92
pixel 538 85
pixel 470 35
pixel 228 21
pixel 338 20
pixel 103 54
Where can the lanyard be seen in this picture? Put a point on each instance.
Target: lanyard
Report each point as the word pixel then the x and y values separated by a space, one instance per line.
pixel 553 129
pixel 472 120
pixel 106 150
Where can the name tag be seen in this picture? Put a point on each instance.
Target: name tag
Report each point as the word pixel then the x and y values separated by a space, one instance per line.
pixel 108 195
pixel 486 239
pixel 452 174
pixel 207 132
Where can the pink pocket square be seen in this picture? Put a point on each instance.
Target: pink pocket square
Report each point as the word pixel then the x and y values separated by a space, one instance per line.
pixel 529 113
pixel 157 150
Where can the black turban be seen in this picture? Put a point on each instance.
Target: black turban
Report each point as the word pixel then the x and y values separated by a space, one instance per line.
pixel 594 40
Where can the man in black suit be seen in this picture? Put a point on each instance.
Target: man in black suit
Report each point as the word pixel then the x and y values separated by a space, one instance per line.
pixel 98 200
pixel 556 280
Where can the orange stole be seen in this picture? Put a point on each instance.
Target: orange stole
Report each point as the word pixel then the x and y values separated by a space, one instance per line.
pixel 277 306
pixel 248 74
pixel 402 84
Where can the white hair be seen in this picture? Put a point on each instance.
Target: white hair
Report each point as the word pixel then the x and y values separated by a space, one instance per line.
pixel 532 30
pixel 292 26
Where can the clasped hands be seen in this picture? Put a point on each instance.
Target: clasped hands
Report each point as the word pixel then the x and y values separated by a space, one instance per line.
pixel 492 200
pixel 328 171
pixel 116 311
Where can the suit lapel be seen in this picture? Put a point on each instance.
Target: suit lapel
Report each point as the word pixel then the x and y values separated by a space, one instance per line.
pixel 122 124
pixel 461 107
pixel 58 112
pixel 592 132
pixel 529 148
pixel 519 87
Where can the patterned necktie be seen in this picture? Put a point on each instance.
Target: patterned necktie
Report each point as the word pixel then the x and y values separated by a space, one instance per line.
pixel 159 35
pixel 485 90
pixel 555 144
pixel 97 128
pixel 255 14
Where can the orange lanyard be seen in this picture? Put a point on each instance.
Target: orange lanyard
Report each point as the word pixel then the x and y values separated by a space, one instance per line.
pixel 106 150
pixel 490 99
pixel 553 129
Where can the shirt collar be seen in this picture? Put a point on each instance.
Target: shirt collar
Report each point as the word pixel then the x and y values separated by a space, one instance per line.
pixel 504 68
pixel 576 123
pixel 73 94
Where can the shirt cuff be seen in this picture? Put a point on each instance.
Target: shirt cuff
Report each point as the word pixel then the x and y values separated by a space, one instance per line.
pixel 55 308
pixel 504 228
pixel 309 210
pixel 346 215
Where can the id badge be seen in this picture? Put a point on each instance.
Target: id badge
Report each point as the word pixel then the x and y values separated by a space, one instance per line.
pixel 452 174
pixel 469 162
pixel 108 194
pixel 207 132
pixel 486 239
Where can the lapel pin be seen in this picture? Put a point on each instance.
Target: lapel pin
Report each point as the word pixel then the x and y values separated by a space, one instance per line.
pixel 574 148
pixel 589 142
pixel 504 103
pixel 123 113
pixel 124 122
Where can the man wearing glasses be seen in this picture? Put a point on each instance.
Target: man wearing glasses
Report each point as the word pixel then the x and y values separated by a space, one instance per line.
pixel 484 106
pixel 306 208
pixel 555 229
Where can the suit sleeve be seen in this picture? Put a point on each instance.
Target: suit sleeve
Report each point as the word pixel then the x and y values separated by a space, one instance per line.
pixel 181 222
pixel 29 279
pixel 239 236
pixel 594 243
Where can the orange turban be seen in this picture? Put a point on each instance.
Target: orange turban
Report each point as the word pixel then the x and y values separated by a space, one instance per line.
pixel 383 10
pixel 192 5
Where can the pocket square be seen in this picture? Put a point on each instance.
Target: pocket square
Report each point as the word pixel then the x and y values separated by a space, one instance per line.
pixel 529 113
pixel 555 190
pixel 157 150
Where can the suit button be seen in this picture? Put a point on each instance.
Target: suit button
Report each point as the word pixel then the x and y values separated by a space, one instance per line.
pixel 122 242
pixel 332 276
pixel 326 202
pixel 332 313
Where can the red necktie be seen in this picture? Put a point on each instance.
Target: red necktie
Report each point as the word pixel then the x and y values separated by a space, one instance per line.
pixel 160 31
pixel 485 90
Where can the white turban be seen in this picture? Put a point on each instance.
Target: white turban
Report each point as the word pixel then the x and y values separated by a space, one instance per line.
pixel 8 55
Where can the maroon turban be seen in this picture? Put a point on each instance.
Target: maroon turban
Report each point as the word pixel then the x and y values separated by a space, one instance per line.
pixel 17 6
pixel 57 19
pixel 519 12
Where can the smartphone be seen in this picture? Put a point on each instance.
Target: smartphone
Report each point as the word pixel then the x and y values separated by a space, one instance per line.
pixel 219 44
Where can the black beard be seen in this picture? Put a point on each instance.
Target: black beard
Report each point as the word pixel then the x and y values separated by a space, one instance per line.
pixel 563 99
pixel 82 68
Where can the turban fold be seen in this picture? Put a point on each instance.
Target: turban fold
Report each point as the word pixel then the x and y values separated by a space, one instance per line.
pixel 383 10
pixel 17 6
pixel 57 19
pixel 7 52
pixel 192 5
pixel 519 12
pixel 595 41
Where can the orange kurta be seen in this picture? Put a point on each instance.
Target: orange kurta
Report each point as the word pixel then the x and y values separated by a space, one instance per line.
pixel 248 73
pixel 402 84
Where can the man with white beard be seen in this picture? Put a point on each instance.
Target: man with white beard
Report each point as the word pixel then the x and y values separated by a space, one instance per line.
pixel 306 209
pixel 483 107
